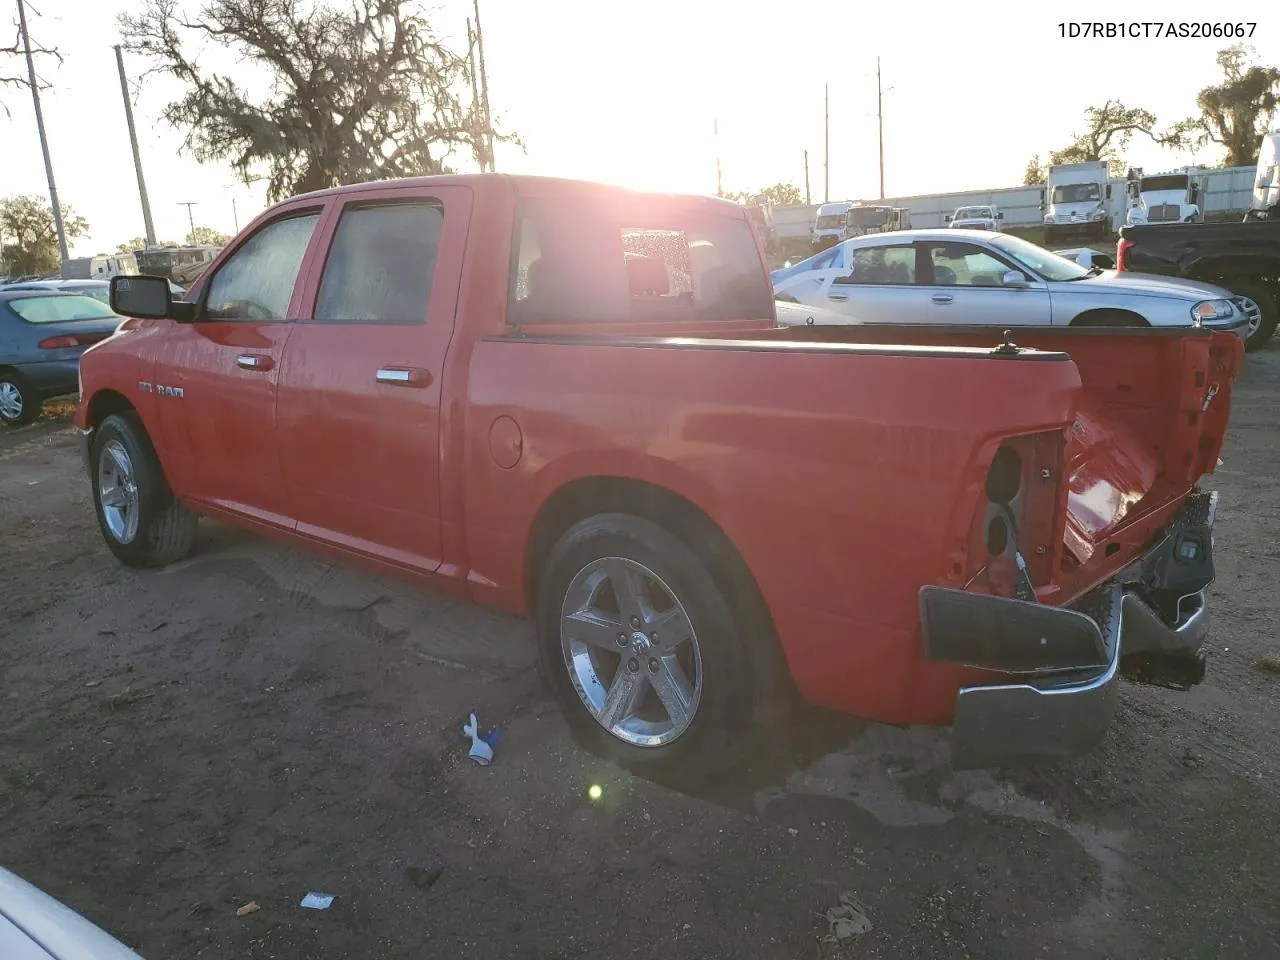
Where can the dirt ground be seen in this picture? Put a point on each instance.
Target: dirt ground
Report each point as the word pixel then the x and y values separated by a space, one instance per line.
pixel 256 723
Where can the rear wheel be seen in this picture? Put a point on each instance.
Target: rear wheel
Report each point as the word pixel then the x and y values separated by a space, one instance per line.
pixel 641 650
pixel 19 404
pixel 1109 318
pixel 142 522
pixel 1259 303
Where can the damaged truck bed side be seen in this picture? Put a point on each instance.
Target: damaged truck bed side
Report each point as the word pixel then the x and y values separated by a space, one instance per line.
pixel 574 402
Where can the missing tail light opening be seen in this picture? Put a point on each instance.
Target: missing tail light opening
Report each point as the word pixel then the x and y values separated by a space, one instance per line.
pixel 1018 529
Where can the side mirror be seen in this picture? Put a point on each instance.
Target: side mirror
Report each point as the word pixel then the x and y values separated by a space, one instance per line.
pixel 999 214
pixel 946 218
pixel 145 297
pixel 1014 278
pixel 1104 261
pixel 1108 191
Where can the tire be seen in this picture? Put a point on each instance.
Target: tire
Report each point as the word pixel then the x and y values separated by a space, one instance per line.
pixel 142 522
pixel 729 671
pixel 1265 299
pixel 19 404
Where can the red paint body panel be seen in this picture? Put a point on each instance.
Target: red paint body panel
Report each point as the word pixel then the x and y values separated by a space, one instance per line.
pixel 846 475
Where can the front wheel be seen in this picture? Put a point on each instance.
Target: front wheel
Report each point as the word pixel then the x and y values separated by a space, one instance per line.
pixel 640 648
pixel 19 404
pixel 142 522
pixel 1259 304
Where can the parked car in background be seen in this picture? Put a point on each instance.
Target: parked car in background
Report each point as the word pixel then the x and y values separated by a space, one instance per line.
pixel 574 401
pixel 975 218
pixel 973 277
pixel 1087 257
pixel 1242 257
pixel 35 926
pixel 864 219
pixel 98 289
pixel 42 335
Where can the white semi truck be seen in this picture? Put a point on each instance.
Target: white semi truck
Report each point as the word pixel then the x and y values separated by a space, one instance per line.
pixel 1266 187
pixel 1176 196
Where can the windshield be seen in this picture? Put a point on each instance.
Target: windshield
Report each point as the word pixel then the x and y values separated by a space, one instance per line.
pixel 1173 182
pixel 973 213
pixel 1047 264
pixel 1076 193
pixel 62 309
pixel 99 291
pixel 831 221
pixel 869 216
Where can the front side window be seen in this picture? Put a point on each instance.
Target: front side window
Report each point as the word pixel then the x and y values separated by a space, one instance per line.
pixel 381 264
pixel 256 282
pixel 882 265
pixel 583 261
pixel 60 309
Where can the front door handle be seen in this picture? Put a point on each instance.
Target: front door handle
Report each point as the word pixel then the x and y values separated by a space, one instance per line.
pixel 254 361
pixel 403 377
pixel 942 298
pixel 837 296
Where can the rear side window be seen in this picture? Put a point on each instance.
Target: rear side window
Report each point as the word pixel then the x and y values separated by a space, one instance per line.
pixel 579 261
pixel 381 264
pixel 256 282
pixel 60 309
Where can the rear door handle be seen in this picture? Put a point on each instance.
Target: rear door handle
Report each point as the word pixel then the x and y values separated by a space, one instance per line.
pixel 403 377
pixel 253 361
pixel 942 298
pixel 837 296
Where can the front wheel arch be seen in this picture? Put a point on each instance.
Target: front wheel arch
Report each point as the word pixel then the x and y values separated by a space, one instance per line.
pixel 1111 317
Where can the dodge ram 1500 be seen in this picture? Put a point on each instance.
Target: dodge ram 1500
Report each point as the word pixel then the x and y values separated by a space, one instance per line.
pixel 574 401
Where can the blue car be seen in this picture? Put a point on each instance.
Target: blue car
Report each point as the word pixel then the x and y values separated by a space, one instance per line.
pixel 42 335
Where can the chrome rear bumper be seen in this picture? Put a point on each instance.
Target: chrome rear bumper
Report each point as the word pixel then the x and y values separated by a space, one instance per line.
pixel 1148 624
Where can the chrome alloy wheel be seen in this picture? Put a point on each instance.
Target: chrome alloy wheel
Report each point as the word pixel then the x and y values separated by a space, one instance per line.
pixel 11 404
pixel 631 652
pixel 118 492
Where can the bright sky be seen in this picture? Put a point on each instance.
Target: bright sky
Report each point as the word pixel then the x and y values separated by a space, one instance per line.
pixel 629 94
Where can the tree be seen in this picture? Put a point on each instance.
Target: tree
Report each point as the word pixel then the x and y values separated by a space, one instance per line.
pixel 1109 129
pixel 27 223
pixel 359 92
pixel 1035 174
pixel 137 243
pixel 1234 113
pixel 778 193
pixel 203 235
pixel 14 71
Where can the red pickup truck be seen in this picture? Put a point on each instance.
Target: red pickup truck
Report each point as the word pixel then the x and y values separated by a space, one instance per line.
pixel 574 401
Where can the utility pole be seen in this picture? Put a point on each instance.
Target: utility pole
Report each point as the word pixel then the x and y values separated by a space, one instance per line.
pixel 137 159
pixel 806 178
pixel 475 98
pixel 715 129
pixel 235 217
pixel 826 143
pixel 484 88
pixel 880 120
pixel 44 140
pixel 190 218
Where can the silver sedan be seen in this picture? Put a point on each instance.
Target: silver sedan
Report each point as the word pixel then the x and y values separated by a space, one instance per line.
pixel 977 278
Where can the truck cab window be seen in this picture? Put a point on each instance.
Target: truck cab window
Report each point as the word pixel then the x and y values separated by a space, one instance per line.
pixel 256 282
pixel 381 264
pixel 582 262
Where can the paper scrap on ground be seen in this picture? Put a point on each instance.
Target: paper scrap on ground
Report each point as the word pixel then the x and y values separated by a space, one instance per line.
pixel 317 901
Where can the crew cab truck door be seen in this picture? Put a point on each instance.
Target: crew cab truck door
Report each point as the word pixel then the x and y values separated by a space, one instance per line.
pixel 966 286
pixel 215 378
pixel 360 388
